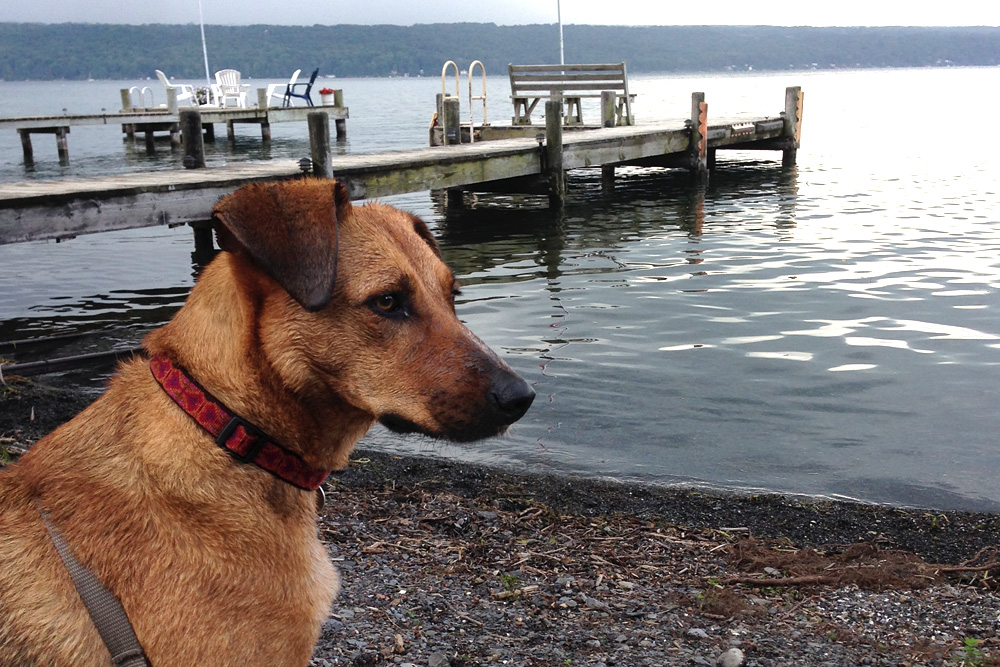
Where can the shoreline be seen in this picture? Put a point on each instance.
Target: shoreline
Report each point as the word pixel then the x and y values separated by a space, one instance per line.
pixel 446 563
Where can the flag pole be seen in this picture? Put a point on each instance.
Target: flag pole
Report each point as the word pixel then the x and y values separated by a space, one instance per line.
pixel 204 49
pixel 562 56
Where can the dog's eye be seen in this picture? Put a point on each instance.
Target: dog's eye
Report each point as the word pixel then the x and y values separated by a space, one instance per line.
pixel 387 303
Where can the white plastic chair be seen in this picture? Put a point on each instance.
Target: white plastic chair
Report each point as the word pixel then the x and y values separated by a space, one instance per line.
pixel 228 87
pixel 279 89
pixel 185 93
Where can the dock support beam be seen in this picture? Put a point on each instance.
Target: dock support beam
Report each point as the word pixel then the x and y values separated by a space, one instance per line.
pixel 319 143
pixel 793 124
pixel 194 142
pixel 553 167
pixel 29 154
pixel 699 136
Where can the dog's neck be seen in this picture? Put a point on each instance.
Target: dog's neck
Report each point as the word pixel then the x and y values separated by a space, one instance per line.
pixel 244 441
pixel 224 339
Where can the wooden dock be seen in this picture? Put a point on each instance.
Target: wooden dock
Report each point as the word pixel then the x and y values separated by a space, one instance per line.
pixel 63 208
pixel 147 121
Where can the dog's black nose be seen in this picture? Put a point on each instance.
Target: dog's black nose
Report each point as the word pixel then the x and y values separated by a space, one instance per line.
pixel 511 396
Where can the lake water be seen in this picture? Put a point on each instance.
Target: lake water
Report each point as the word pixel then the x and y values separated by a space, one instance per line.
pixel 830 329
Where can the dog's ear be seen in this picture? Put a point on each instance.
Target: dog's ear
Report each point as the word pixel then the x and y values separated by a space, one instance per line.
pixel 289 230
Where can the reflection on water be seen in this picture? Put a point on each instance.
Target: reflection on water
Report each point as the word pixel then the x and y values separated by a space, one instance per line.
pixel 828 329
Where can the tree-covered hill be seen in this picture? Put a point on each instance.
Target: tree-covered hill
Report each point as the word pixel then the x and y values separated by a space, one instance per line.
pixel 80 51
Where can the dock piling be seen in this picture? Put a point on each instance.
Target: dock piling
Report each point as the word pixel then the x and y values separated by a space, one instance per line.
pixel 194 143
pixel 341 123
pixel 608 98
pixel 29 154
pixel 553 168
pixel 699 136
pixel 451 121
pixel 793 124
pixel 62 145
pixel 319 143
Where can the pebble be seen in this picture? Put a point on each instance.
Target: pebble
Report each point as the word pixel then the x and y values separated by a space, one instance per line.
pixel 731 658
pixel 697 633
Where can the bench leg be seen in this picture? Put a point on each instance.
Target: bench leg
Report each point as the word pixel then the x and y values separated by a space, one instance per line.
pixel 521 114
pixel 573 117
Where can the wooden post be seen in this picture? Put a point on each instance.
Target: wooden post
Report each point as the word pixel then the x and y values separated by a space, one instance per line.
pixel 175 134
pixel 793 124
pixel 231 131
pixel 194 145
pixel 319 143
pixel 209 132
pixel 126 99
pixel 608 178
pixel 455 198
pixel 150 142
pixel 451 121
pixel 172 100
pixel 340 123
pixel 262 98
pixel 607 108
pixel 554 153
pixel 29 155
pixel 62 145
pixel 203 246
pixel 699 136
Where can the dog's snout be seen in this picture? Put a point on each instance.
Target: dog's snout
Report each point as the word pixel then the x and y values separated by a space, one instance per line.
pixel 511 396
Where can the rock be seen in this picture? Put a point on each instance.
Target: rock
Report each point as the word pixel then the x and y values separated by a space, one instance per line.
pixel 398 645
pixel 592 603
pixel 437 660
pixel 731 658
pixel 697 633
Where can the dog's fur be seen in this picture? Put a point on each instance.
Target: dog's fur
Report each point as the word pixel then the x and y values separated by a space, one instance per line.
pixel 318 319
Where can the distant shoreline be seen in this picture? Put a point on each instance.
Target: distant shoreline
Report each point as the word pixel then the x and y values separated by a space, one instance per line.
pixel 73 51
pixel 641 74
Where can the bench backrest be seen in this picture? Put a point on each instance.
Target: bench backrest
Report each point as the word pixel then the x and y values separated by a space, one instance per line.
pixel 543 80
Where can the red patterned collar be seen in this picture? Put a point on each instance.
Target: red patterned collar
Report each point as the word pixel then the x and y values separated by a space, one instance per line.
pixel 244 441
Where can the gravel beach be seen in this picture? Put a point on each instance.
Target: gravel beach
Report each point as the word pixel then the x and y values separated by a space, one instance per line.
pixel 447 564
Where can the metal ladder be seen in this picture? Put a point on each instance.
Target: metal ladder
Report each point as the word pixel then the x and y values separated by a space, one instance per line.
pixel 472 98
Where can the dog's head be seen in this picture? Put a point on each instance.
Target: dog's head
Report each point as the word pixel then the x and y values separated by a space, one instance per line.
pixel 359 307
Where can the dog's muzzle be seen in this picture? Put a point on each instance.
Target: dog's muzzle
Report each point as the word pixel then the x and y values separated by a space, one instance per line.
pixel 507 400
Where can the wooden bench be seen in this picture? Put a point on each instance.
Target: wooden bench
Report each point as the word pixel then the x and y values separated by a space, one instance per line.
pixel 530 83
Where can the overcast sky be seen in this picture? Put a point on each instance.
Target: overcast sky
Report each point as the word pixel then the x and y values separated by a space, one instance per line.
pixel 407 12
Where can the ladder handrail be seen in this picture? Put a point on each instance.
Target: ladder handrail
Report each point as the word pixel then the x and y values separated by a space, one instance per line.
pixel 444 72
pixel 142 97
pixel 472 118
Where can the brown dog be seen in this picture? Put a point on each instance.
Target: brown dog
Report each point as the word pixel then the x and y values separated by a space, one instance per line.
pixel 319 319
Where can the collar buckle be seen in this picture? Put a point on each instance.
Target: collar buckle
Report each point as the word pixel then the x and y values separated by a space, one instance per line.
pixel 258 439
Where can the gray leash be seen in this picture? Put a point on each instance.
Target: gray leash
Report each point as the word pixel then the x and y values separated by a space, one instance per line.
pixel 105 610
